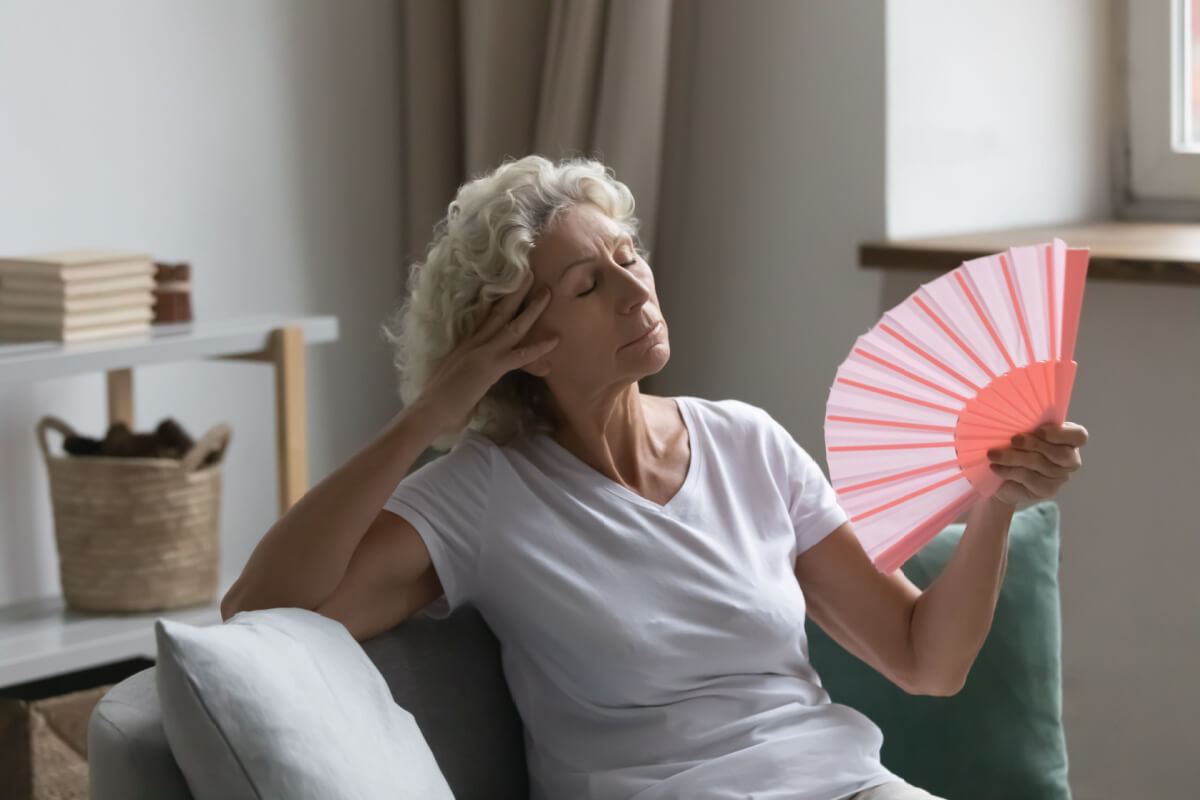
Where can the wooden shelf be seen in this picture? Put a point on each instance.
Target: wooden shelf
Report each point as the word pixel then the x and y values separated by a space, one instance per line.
pixel 1156 252
pixel 42 638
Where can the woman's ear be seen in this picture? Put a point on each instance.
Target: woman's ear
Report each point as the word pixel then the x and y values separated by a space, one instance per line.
pixel 539 367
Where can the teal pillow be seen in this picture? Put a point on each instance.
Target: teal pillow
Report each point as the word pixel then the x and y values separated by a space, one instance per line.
pixel 1001 737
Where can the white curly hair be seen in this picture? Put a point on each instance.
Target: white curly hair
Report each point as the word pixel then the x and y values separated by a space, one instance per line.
pixel 480 252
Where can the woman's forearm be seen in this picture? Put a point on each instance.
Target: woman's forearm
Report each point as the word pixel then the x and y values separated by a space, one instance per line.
pixel 954 614
pixel 302 558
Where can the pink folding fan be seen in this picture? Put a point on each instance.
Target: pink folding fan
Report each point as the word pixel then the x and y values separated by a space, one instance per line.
pixel 964 363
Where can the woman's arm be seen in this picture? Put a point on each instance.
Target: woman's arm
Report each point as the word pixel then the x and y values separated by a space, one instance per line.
pixel 953 615
pixel 926 641
pixel 865 611
pixel 303 557
pixel 922 641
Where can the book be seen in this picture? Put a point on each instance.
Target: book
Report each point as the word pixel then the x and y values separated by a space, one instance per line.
pixel 83 271
pixel 75 288
pixel 18 334
pixel 77 257
pixel 45 301
pixel 66 265
pixel 52 320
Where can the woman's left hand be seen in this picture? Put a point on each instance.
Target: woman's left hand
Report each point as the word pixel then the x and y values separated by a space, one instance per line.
pixel 1038 463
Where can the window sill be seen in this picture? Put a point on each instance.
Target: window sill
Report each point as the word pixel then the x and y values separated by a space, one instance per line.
pixel 1123 250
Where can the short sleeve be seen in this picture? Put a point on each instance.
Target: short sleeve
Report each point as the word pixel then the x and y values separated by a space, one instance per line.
pixel 446 500
pixel 812 501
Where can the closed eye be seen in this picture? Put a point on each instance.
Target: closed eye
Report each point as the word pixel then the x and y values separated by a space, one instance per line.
pixel 594 285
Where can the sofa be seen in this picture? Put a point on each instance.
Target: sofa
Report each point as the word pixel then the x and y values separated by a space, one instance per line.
pixel 1001 737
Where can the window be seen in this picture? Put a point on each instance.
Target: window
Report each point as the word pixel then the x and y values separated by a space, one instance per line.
pixel 1163 129
pixel 1191 72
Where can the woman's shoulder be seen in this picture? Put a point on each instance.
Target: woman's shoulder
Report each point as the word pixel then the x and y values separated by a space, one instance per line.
pixel 470 458
pixel 730 416
pixel 729 409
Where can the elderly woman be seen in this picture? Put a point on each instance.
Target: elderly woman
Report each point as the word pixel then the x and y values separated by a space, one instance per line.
pixel 646 562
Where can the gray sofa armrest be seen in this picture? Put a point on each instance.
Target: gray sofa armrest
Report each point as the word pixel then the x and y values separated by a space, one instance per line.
pixel 447 673
pixel 128 754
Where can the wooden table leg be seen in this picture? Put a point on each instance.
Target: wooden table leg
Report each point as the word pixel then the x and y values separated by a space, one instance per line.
pixel 120 396
pixel 287 352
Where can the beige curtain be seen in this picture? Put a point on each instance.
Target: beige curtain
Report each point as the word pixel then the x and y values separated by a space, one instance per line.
pixel 486 79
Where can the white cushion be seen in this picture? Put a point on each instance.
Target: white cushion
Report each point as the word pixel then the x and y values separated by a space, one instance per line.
pixel 284 703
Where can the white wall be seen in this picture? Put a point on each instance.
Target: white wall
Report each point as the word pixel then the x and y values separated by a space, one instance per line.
pixel 260 142
pixel 1001 115
pixel 997 114
pixel 774 172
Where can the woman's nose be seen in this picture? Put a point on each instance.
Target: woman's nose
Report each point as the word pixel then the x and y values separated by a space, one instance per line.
pixel 641 294
pixel 637 291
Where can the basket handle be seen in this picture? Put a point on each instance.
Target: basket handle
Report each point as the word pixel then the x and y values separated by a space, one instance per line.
pixel 216 440
pixel 57 424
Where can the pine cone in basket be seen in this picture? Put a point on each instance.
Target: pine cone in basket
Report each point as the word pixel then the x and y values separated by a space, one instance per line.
pixel 169 440
pixel 120 441
pixel 174 442
pixel 173 439
pixel 81 446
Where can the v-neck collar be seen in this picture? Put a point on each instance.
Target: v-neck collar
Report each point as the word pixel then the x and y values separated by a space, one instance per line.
pixel 680 497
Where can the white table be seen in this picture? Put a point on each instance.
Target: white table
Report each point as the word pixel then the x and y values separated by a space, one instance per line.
pixel 40 638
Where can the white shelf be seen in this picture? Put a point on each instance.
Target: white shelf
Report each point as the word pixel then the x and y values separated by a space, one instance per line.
pixel 23 362
pixel 42 638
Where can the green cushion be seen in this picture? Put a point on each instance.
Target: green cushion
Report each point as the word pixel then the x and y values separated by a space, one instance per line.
pixel 1002 735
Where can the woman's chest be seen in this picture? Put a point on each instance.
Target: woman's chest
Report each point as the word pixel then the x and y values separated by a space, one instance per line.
pixel 632 603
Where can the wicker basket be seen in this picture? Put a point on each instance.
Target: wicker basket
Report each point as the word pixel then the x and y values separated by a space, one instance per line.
pixel 43 745
pixel 136 534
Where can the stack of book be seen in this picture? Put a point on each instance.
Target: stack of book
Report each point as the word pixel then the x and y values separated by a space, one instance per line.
pixel 76 295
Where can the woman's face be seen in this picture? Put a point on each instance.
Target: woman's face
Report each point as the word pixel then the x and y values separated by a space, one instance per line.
pixel 602 300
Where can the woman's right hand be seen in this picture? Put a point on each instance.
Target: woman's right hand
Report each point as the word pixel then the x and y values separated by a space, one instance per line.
pixel 477 362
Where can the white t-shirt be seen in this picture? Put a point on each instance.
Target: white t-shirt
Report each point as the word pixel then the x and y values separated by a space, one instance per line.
pixel 652 651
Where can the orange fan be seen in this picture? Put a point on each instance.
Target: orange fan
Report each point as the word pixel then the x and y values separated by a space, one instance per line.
pixel 968 360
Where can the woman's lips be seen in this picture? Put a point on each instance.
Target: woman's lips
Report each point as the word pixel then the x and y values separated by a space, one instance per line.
pixel 652 329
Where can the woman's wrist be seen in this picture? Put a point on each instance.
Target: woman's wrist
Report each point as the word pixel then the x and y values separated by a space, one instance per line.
pixel 418 419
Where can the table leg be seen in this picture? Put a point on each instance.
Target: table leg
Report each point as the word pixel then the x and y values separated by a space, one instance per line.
pixel 120 396
pixel 287 352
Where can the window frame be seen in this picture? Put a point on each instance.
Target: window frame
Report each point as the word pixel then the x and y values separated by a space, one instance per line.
pixel 1157 179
